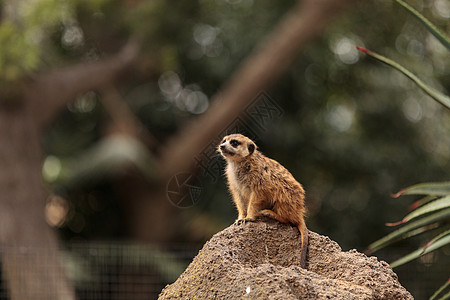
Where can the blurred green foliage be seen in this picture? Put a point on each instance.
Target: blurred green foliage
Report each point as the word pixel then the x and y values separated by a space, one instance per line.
pixel 18 57
pixel 352 132
pixel 26 30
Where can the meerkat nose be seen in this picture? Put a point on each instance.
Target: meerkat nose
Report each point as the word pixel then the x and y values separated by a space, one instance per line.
pixel 222 147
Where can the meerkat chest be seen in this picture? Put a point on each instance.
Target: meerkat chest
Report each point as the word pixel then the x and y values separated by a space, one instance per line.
pixel 238 178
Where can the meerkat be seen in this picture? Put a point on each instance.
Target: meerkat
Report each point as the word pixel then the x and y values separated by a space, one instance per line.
pixel 261 186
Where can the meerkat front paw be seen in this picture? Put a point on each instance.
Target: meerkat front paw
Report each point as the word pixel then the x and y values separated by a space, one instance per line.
pixel 239 221
pixel 244 221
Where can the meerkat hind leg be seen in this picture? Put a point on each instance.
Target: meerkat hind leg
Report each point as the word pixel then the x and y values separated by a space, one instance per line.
pixel 273 215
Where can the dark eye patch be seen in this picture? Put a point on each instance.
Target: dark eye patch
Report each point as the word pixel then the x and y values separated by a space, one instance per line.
pixel 223 141
pixel 235 143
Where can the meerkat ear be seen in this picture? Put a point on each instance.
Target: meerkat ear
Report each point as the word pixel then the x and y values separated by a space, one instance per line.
pixel 251 148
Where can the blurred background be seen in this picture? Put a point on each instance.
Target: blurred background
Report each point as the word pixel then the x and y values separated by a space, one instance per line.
pixel 350 129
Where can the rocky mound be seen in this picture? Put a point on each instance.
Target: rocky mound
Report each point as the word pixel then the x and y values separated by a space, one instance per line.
pixel 260 260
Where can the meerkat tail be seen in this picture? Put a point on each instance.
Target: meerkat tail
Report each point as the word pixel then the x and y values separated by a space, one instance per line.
pixel 304 239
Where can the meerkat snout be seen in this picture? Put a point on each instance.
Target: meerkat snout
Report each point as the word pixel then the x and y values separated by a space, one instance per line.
pixel 225 151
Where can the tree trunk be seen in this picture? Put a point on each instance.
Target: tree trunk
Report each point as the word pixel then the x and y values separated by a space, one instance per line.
pixel 30 260
pixel 31 264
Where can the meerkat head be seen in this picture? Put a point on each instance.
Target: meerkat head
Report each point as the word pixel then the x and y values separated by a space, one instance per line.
pixel 236 147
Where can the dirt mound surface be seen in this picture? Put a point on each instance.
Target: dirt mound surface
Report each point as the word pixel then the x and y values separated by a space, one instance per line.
pixel 260 260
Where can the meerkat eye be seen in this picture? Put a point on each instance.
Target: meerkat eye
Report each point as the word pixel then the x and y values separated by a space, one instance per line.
pixel 235 143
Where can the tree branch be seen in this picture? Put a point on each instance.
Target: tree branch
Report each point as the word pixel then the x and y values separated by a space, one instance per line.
pixel 124 120
pixel 49 93
pixel 258 72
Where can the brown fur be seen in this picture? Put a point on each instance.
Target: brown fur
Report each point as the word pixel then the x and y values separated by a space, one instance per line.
pixel 261 186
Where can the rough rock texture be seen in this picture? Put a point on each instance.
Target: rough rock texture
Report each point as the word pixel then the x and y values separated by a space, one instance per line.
pixel 260 260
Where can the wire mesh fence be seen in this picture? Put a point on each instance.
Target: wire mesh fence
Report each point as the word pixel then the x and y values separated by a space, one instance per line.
pixel 104 271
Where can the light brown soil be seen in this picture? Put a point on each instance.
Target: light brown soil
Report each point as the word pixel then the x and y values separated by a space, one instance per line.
pixel 260 260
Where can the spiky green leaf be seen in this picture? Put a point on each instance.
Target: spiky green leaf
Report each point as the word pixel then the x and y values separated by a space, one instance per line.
pixel 445 297
pixel 420 252
pixel 430 207
pixel 433 93
pixel 440 236
pixel 399 233
pixel 440 290
pixel 428 188
pixel 421 202
pixel 430 26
